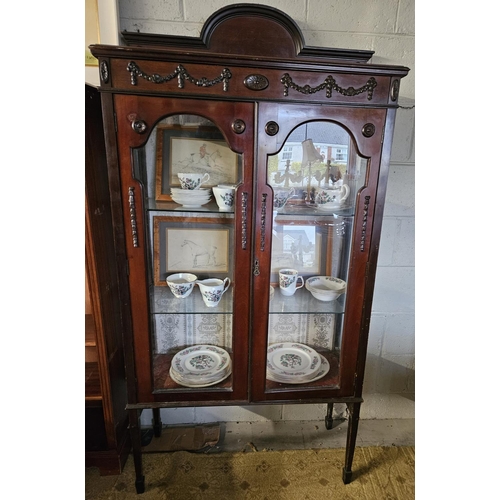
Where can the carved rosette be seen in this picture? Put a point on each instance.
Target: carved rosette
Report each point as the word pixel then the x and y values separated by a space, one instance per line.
pixel 139 126
pixel 272 128
pixel 238 126
pixel 330 85
pixel 368 129
pixel 394 90
pixel 256 82
pixel 104 72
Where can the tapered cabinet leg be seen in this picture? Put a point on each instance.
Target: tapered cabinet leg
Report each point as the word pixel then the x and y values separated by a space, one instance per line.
pixel 329 416
pixel 135 436
pixel 352 432
pixel 157 422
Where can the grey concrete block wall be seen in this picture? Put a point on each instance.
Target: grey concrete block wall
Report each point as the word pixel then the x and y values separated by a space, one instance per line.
pixel 388 28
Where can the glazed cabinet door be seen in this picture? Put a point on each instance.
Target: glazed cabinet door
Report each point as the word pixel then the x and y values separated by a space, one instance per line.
pixel 186 169
pixel 317 183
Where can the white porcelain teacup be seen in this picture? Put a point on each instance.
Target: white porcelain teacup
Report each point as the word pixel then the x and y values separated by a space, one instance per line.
pixel 181 284
pixel 288 281
pixel 332 198
pixel 193 181
pixel 212 290
pixel 224 196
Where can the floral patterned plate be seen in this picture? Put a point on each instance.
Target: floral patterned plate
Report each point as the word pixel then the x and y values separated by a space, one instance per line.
pixel 201 361
pixel 292 360
pixel 196 378
pixel 199 383
pixel 324 369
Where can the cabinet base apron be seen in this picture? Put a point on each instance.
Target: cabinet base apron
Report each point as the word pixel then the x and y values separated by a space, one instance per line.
pixel 353 409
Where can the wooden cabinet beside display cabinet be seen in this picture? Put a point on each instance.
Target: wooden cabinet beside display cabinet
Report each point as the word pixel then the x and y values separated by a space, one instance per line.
pixel 107 440
pixel 300 138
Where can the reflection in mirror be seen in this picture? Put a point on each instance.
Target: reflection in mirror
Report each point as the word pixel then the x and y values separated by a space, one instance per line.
pixel 184 159
pixel 190 177
pixel 317 167
pixel 315 177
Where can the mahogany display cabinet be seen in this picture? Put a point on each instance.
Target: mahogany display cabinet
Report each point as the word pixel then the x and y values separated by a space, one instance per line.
pixel 299 138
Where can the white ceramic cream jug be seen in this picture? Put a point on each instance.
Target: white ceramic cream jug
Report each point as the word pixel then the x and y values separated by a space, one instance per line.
pixel 332 198
pixel 212 290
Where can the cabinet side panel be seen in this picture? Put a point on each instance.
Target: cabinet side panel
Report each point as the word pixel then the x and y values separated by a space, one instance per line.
pixel 103 272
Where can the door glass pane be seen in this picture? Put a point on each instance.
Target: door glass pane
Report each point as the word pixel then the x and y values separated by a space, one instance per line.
pixel 315 177
pixel 184 166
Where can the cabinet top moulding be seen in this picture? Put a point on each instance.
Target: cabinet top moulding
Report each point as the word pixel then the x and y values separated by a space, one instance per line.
pixel 267 31
pixel 154 53
pixel 246 35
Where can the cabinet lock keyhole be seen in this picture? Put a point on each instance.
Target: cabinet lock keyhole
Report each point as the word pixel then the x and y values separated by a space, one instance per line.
pixel 256 267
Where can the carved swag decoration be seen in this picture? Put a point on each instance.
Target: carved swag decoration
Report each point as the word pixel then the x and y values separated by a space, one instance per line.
pixel 329 84
pixel 181 74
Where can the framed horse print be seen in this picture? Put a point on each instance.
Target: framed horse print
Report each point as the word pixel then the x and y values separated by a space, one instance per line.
pixel 192 149
pixel 202 247
pixel 299 246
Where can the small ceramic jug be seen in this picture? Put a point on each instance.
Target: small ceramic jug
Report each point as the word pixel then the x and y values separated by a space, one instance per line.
pixel 212 290
pixel 332 198
pixel 288 281
pixel 224 196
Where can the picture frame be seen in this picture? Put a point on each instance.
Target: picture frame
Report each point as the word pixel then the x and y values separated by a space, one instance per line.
pixel 203 247
pixel 192 149
pixel 91 30
pixel 303 245
pixel 108 33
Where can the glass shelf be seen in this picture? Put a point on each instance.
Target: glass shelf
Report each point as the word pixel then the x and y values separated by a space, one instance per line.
pixel 300 209
pixel 212 207
pixel 164 302
pixel 171 206
pixel 302 302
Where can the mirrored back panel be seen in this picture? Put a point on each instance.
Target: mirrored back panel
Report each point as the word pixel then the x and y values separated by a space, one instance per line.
pixel 315 178
pixel 190 177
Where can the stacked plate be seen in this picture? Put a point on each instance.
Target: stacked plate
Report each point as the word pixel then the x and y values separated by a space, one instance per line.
pixel 294 363
pixel 200 366
pixel 191 198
